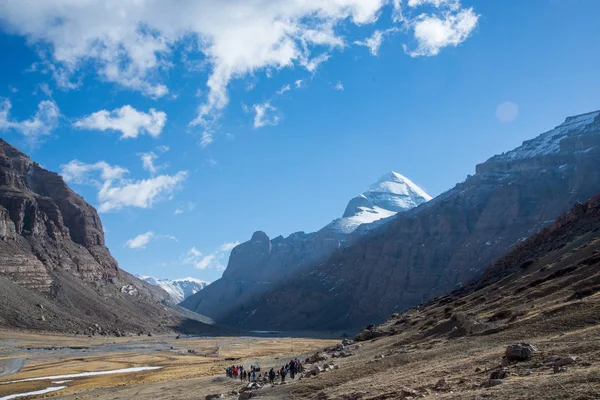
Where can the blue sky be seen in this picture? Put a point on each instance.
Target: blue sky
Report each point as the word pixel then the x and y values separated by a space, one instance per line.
pixel 267 115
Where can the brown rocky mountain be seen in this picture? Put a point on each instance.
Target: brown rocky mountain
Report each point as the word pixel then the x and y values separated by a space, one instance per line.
pixel 443 244
pixel 259 264
pixel 528 329
pixel 55 270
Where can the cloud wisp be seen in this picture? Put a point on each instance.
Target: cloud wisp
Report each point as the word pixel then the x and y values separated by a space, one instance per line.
pixel 42 123
pixel 143 239
pixel 115 191
pixel 213 260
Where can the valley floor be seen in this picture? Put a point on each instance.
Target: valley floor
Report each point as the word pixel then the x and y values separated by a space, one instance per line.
pixel 410 369
pixel 191 367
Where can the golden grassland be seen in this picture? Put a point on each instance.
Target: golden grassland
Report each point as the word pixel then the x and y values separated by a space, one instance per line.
pixel 208 357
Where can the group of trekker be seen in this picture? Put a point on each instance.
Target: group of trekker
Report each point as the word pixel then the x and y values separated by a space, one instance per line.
pixel 238 371
pixel 250 375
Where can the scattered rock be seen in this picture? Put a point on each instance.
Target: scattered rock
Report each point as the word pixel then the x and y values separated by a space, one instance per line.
pixel 500 374
pixel 150 334
pixel 565 361
pixel 43 318
pixel 178 336
pixel 316 358
pixel 379 356
pixel 441 385
pixel 494 382
pixel 347 342
pixel 41 306
pixel 558 369
pixel 214 396
pixel 519 352
pixel 341 354
pixel 246 395
pixel 372 333
pixel 477 369
pixel 316 370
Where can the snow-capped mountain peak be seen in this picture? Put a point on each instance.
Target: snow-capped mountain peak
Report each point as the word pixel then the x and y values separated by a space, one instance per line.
pixel 392 193
pixel 178 289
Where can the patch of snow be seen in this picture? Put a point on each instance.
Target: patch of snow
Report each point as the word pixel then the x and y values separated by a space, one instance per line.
pixel 61 382
pixel 549 142
pixel 35 393
pixel 178 289
pixel 68 376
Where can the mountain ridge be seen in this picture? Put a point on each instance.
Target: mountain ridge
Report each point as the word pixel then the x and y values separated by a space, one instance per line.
pixel 442 244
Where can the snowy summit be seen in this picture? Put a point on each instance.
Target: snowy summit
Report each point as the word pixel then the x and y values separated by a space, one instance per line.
pixel 178 289
pixel 391 194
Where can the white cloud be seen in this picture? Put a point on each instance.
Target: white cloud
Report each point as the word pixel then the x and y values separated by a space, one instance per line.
pixel 339 86
pixel 452 4
pixel 299 83
pixel 114 191
pixel 149 158
pixel 140 241
pixel 284 88
pixel 213 260
pixel 375 41
pixel 189 206
pixel 265 114
pixel 229 246
pixel 140 193
pixel 148 161
pixel 433 32
pixel 43 122
pixel 206 139
pixel 132 42
pixel 507 111
pixel 44 88
pixel 129 121
pixel 313 63
pixel 80 173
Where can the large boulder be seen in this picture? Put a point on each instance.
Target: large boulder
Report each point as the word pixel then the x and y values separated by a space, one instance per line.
pixel 519 352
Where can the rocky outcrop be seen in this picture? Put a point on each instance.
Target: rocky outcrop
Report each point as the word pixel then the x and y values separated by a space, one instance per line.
pixel 55 270
pixel 256 266
pixel 261 263
pixel 445 243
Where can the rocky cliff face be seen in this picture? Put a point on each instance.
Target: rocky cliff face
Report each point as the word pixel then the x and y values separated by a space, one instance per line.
pixel 259 264
pixel 444 243
pixel 55 270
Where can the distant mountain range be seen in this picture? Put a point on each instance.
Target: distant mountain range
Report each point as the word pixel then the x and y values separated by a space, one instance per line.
pixel 325 282
pixel 178 289
pixel 259 264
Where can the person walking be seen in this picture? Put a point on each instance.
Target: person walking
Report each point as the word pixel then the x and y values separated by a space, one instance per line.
pixel 271 376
